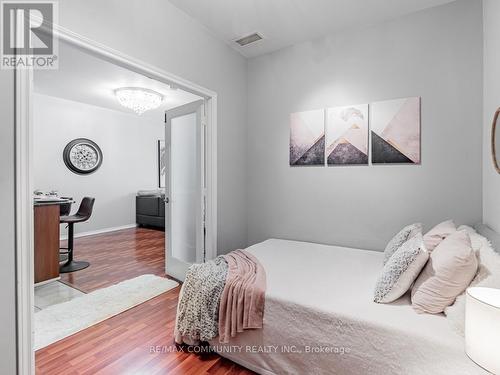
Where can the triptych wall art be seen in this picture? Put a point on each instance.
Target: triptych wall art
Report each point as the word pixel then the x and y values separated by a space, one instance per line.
pixel 340 135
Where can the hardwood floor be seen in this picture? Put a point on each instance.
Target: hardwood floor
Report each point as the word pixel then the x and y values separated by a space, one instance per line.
pixel 117 256
pixel 139 340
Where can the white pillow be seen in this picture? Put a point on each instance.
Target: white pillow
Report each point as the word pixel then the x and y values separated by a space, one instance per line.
pixel 401 270
pixel 488 275
pixel 477 241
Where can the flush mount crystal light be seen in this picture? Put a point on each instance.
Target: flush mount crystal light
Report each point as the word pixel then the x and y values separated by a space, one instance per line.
pixel 138 99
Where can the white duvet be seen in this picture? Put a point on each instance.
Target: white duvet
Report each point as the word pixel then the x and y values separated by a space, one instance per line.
pixel 320 318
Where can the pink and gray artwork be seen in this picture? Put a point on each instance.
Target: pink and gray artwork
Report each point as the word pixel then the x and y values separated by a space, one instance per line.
pixel 307 138
pixel 347 135
pixel 395 131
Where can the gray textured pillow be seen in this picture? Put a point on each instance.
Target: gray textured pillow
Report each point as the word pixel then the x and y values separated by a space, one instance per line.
pixel 401 270
pixel 403 235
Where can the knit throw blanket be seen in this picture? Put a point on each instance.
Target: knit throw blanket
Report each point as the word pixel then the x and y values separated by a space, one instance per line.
pixel 198 307
pixel 221 298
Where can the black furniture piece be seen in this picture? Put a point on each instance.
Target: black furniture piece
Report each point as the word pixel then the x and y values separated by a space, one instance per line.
pixel 83 214
pixel 150 210
pixel 65 208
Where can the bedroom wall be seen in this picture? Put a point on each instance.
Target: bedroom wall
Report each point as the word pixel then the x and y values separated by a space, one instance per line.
pixel 160 34
pixel 7 226
pixel 435 54
pixel 129 146
pixel 491 178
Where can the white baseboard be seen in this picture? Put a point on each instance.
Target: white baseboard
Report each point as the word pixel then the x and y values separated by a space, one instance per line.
pixel 99 231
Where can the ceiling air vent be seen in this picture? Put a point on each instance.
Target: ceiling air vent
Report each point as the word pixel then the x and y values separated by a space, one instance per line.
pixel 248 39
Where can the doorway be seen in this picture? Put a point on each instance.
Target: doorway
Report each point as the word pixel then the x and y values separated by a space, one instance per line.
pixel 200 206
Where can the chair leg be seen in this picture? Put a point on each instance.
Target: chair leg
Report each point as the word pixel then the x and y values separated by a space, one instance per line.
pixel 72 265
pixel 70 242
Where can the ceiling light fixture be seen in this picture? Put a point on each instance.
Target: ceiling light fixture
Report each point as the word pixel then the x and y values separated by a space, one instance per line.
pixel 138 99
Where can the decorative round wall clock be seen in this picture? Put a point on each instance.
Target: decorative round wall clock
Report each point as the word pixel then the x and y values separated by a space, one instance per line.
pixel 82 156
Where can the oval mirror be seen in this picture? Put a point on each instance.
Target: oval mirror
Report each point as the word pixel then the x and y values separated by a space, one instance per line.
pixel 495 140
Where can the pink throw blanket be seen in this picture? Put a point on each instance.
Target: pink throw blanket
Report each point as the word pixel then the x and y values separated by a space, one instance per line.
pixel 242 301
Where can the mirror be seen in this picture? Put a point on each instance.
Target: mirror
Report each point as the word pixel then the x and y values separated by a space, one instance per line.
pixel 495 140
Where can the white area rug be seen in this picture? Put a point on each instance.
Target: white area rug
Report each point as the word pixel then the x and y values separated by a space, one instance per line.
pixel 64 319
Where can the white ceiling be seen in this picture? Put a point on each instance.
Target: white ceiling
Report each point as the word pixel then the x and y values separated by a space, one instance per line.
pixel 286 22
pixel 85 78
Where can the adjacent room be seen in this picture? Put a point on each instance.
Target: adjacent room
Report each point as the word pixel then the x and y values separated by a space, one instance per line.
pixel 250 187
pixel 99 163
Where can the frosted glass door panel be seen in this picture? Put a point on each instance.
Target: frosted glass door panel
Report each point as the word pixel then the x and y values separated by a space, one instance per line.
pixel 184 189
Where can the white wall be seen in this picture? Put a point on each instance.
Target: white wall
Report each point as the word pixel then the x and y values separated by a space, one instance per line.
pixel 130 162
pixel 491 178
pixel 160 34
pixel 435 54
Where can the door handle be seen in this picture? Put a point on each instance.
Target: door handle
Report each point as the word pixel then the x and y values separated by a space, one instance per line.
pixel 166 200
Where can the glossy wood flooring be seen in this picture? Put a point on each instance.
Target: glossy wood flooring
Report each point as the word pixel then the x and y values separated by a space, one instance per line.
pixel 138 341
pixel 117 256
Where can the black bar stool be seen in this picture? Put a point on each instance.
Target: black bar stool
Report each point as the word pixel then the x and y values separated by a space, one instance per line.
pixel 83 214
pixel 65 208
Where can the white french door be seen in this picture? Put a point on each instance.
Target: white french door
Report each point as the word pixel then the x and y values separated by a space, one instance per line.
pixel 185 187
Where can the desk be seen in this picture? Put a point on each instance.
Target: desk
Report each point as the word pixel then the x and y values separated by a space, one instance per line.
pixel 46 239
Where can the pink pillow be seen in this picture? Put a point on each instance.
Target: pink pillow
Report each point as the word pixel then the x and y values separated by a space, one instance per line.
pixel 449 271
pixel 437 234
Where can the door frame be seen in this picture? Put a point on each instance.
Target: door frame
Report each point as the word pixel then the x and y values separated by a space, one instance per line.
pixel 24 175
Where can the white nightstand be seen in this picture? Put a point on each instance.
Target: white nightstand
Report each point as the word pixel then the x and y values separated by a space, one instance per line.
pixel 482 327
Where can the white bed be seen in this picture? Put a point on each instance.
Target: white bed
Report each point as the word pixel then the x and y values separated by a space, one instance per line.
pixel 321 296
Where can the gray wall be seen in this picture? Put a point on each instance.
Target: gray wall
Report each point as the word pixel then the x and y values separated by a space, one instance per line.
pixel 435 54
pixel 158 33
pixel 491 178
pixel 130 157
pixel 7 254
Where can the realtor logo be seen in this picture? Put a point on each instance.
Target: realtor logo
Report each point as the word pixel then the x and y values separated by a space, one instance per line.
pixel 28 34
